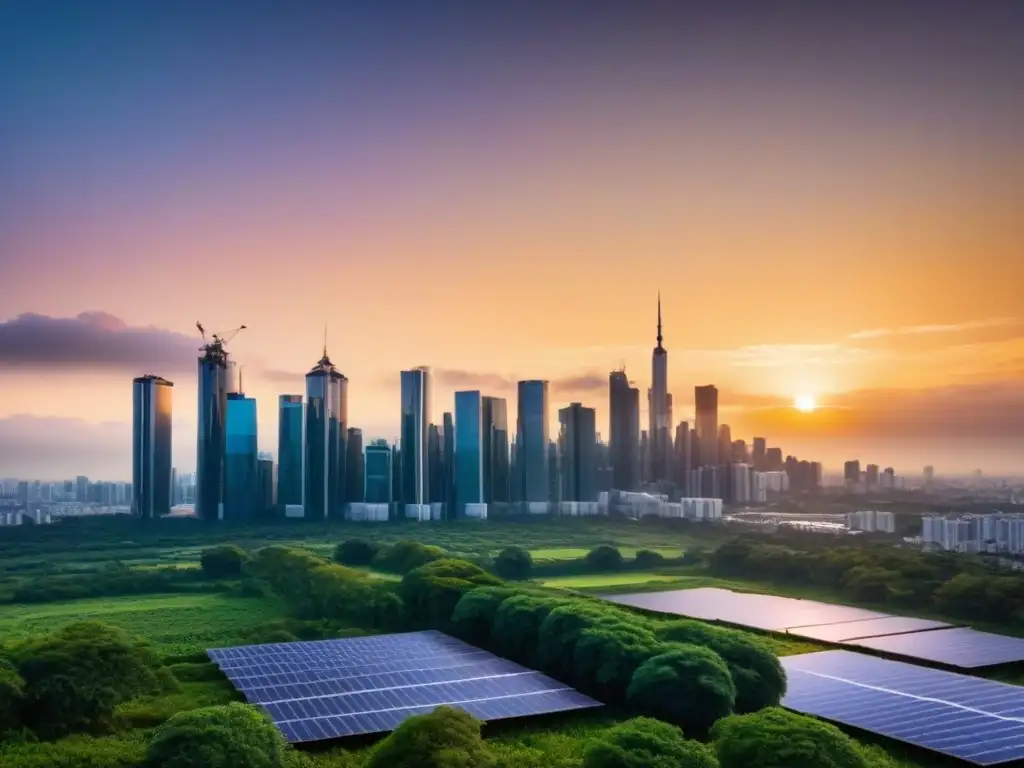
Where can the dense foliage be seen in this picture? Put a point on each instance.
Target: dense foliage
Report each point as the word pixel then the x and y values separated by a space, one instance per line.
pixel 775 738
pixel 513 564
pixel 646 743
pixel 223 562
pixel 605 558
pixel 954 585
pixel 225 736
pixel 431 592
pixel 444 738
pixel 405 555
pixel 355 552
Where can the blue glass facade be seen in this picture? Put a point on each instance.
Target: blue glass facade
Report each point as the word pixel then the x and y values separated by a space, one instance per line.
pixel 151 447
pixel 289 449
pixel 532 441
pixel 210 444
pixel 495 450
pixel 578 460
pixel 326 433
pixel 469 464
pixel 241 479
pixel 415 420
pixel 354 472
pixel 378 473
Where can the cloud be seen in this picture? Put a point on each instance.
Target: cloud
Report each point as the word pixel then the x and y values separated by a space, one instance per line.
pixel 496 382
pixel 294 379
pixel 94 340
pixel 915 330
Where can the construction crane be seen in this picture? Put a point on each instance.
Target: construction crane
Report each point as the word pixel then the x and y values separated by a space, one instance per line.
pixel 218 340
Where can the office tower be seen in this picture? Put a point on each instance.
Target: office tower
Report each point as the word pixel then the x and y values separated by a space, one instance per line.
pixel 265 486
pixel 82 489
pixel 354 472
pixel 435 465
pixel 326 434
pixel 515 473
pixel 378 474
pixel 415 420
pixel 532 440
pixel 624 432
pixel 396 474
pixel 871 475
pixel 494 427
pixel 578 439
pixel 554 474
pixel 289 449
pixel 645 457
pixel 706 401
pixel 851 473
pixel 660 417
pixel 683 456
pixel 448 458
pixel 213 389
pixel 739 452
pixel 929 476
pixel 469 451
pixel 151 448
pixel 724 444
pixel 773 460
pixel 241 484
pixel 760 454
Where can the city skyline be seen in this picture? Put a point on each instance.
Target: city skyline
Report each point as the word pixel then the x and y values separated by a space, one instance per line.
pixel 828 203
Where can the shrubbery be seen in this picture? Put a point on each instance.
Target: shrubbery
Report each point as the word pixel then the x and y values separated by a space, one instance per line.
pixel 513 564
pixel 406 555
pixel 431 592
pixel 605 558
pixel 775 738
pixel 223 562
pixel 355 552
pixel 646 743
pixel 444 738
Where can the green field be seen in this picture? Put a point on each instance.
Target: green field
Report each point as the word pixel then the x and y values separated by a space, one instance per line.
pixel 598 580
pixel 174 624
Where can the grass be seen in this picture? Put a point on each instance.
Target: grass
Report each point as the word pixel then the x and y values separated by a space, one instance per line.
pixel 574 553
pixel 601 580
pixel 174 624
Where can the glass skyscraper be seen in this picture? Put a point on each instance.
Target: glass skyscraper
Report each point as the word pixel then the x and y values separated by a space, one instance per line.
pixel 354 475
pixel 495 451
pixel 241 481
pixel 469 456
pixel 326 433
pixel 213 384
pixel 378 473
pixel 415 419
pixel 532 440
pixel 624 432
pixel 151 447
pixel 706 424
pixel 289 449
pixel 578 444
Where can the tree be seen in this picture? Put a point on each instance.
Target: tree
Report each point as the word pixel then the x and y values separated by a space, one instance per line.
pixel 75 677
pixel 223 562
pixel 355 552
pixel 513 564
pixel 604 558
pixel 12 696
pixel 406 555
pixel 444 738
pixel 224 736
pixel 607 655
pixel 688 685
pixel 432 591
pixel 516 624
pixel 558 633
pixel 646 743
pixel 474 614
pixel 775 738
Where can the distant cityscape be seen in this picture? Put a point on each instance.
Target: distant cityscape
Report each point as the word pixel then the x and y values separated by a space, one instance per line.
pixel 470 465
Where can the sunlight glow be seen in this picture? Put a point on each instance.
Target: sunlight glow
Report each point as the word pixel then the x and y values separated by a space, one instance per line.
pixel 805 403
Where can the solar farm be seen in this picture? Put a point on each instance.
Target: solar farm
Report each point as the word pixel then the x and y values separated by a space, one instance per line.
pixel 918 639
pixel 334 688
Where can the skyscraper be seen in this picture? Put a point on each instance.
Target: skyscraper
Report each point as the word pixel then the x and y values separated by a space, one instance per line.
pixel 495 451
pixel 624 432
pixel 265 485
pixel 578 444
pixel 378 473
pixel 289 450
pixel 469 451
pixel 532 440
pixel 415 419
pixel 213 389
pixel 354 472
pixel 151 448
pixel 684 456
pixel 706 401
pixel 241 481
pixel 326 433
pixel 448 459
pixel 760 454
pixel 724 444
pixel 660 416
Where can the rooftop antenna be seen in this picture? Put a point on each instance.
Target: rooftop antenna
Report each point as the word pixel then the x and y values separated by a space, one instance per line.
pixel 659 319
pixel 241 390
pixel 325 340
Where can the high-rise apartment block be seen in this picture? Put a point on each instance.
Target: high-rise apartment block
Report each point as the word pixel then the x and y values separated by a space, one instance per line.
pixel 151 448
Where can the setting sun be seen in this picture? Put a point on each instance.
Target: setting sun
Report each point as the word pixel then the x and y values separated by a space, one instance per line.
pixel 805 403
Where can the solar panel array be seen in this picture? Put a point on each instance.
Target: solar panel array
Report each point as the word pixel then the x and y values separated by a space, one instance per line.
pixel 957 647
pixel 976 720
pixel 848 631
pixel 332 688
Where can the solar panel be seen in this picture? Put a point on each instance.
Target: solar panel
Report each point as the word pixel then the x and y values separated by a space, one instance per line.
pixel 768 612
pixel 333 688
pixel 976 720
pixel 957 647
pixel 854 630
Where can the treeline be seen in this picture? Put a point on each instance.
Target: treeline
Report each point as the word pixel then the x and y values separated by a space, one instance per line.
pixel 954 585
pixel 108 581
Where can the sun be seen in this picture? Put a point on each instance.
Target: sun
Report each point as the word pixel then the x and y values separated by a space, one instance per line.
pixel 805 403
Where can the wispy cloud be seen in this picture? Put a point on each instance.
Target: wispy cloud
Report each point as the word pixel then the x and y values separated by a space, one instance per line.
pixel 914 330
pixel 460 379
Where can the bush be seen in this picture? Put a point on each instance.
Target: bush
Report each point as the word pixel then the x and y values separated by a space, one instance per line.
pixel 604 558
pixel 444 738
pixel 775 738
pixel 225 736
pixel 759 677
pixel 355 552
pixel 559 632
pixel 76 677
pixel 406 555
pixel 608 654
pixel 646 743
pixel 12 697
pixel 474 614
pixel 688 685
pixel 223 562
pixel 517 623
pixel 123 751
pixel 513 564
pixel 648 558
pixel 431 592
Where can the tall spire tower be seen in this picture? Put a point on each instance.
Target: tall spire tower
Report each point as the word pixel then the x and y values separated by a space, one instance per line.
pixel 659 406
